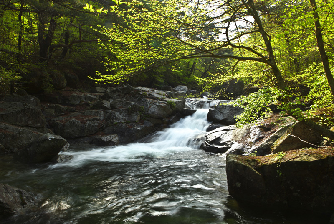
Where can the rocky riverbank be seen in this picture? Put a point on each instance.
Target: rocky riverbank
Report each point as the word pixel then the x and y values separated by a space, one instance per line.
pixel 278 164
pixel 35 128
pixel 273 160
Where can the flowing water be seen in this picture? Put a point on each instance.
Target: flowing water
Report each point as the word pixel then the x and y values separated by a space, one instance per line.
pixel 168 180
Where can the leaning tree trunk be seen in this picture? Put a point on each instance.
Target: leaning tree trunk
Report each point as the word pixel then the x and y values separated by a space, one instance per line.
pixel 271 57
pixel 321 46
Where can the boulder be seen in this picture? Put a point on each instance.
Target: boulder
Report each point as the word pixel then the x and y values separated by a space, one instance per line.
pixel 299 180
pixel 249 139
pixel 224 114
pixel 44 149
pixel 105 140
pixel 70 97
pixel 219 140
pixel 58 80
pixel 15 201
pixel 298 135
pixel 22 111
pixel 158 109
pixel 181 89
pixel 30 146
pixel 130 132
pixel 75 125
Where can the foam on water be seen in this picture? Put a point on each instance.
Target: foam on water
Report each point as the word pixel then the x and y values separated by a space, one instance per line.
pixel 170 140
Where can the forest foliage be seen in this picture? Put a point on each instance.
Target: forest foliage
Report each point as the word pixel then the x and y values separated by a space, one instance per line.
pixel 284 48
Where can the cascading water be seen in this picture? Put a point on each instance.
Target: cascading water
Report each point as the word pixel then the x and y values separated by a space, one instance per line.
pixel 173 139
pixel 164 181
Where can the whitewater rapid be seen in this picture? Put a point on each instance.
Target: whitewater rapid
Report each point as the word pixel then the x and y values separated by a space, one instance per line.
pixel 173 139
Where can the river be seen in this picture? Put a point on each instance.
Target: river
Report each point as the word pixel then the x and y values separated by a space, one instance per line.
pixel 166 180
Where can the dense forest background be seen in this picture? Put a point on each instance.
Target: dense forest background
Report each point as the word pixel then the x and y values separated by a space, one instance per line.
pixel 283 48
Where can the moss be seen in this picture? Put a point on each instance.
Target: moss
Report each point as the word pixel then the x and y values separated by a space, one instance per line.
pixel 171 104
pixel 306 154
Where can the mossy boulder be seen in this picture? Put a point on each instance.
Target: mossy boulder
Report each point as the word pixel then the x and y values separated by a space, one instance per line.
pixel 298 135
pixel 298 180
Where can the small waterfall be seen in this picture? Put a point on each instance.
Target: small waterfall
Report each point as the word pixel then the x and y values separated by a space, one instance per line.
pixel 173 139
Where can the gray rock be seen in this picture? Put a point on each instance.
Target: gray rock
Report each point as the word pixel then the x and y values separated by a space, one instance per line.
pixel 24 111
pixel 265 147
pixel 105 140
pixel 181 89
pixel 224 114
pixel 76 124
pixel 44 149
pixel 297 136
pixel 219 140
pixel 157 109
pixel 30 146
pixel 130 132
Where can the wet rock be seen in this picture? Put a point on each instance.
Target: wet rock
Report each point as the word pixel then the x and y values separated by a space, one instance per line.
pixel 219 140
pixel 300 180
pixel 250 139
pixel 30 146
pixel 105 140
pixel 44 149
pixel 224 114
pixel 202 103
pixel 197 142
pixel 130 132
pixel 187 112
pixel 15 201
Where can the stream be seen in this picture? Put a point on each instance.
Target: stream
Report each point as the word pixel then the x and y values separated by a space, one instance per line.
pixel 166 180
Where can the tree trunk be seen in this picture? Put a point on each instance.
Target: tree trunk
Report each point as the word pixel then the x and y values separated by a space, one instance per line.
pixel 19 40
pixel 271 57
pixel 321 46
pixel 45 39
pixel 66 42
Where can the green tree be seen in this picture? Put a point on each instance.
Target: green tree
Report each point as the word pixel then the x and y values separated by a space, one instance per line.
pixel 43 37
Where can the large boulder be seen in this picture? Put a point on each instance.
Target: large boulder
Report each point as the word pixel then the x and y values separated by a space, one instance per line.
pixel 270 135
pixel 75 125
pixel 30 146
pixel 160 109
pixel 224 114
pixel 99 117
pixel 298 135
pixel 298 180
pixel 22 111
